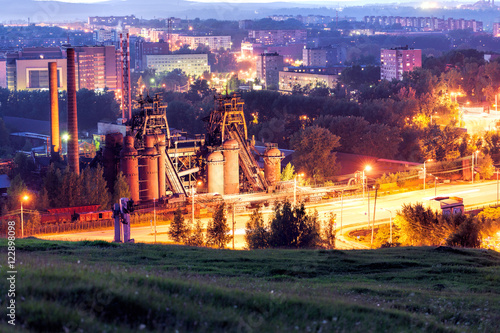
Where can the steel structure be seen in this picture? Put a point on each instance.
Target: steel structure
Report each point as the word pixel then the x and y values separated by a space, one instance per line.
pixel 226 122
pixel 126 93
pixel 151 121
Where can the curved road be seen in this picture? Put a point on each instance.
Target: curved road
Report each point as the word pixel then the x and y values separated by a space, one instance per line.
pixel 353 212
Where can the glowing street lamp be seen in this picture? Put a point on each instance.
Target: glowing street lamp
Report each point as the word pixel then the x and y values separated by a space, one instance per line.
pixel 474 158
pixel 295 188
pixel 367 169
pixel 425 170
pixel 24 198
pixel 65 139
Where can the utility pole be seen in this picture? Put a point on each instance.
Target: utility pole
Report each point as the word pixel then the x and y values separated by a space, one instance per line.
pixel 472 169
pixel 233 224
pixel 154 215
pixel 368 212
pixel 342 209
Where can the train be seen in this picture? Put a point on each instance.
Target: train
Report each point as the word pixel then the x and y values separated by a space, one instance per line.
pixel 75 214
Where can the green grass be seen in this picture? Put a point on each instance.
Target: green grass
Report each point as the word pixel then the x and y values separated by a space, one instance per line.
pixel 104 287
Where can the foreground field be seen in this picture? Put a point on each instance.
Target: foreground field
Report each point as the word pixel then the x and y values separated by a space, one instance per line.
pixel 105 287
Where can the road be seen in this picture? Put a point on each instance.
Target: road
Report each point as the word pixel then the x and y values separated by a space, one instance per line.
pixel 351 214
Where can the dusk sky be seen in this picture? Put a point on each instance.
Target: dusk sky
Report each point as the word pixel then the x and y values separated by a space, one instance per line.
pixel 79 10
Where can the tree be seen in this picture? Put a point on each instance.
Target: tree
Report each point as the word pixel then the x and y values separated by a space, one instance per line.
pixel 288 172
pixel 72 192
pixel 217 229
pixel 33 221
pixel 418 225
pixel 256 232
pixel 101 188
pixel 52 183
pixel 196 236
pixel 486 167
pixel 15 191
pixel 43 201
pixel 466 235
pixel 121 189
pixel 329 231
pixel 178 229
pixel 314 151
pixel 293 227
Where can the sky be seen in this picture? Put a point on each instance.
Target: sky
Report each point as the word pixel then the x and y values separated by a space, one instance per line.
pixel 71 10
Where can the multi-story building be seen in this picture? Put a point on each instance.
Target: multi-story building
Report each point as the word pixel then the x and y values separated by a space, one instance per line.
pixel 395 62
pixel 28 69
pixel 142 49
pixel 103 36
pixel 277 37
pixel 3 73
pixel 290 52
pixel 300 77
pixel 191 64
pixel 314 57
pixel 496 29
pixel 426 23
pixel 113 20
pixel 213 42
pixel 98 67
pixel 268 67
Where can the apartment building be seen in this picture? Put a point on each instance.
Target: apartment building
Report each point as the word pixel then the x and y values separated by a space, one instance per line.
pixel 395 62
pixel 268 66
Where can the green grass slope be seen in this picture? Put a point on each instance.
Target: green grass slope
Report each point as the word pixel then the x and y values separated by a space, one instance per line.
pixel 104 287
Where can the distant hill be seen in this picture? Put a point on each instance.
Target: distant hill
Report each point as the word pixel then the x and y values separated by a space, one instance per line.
pixel 56 11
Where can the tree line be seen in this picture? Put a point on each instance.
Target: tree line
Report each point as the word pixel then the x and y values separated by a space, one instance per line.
pixel 417 225
pixel 290 227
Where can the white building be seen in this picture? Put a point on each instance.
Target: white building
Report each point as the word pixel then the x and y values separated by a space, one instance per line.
pixel 288 80
pixel 213 42
pixel 33 74
pixel 191 64
pixel 314 57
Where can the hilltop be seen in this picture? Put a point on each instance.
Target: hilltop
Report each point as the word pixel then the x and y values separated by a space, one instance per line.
pixel 98 286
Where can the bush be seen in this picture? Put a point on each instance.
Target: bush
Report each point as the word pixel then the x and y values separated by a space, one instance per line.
pixel 217 229
pixel 293 227
pixel 256 232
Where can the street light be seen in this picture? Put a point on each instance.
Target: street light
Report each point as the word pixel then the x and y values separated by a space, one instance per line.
pixel 192 199
pixel 295 188
pixel 474 156
pixel 234 204
pixel 367 168
pixel 154 215
pixel 425 170
pixel 435 186
pixel 498 170
pixel 368 189
pixel 24 198
pixel 341 210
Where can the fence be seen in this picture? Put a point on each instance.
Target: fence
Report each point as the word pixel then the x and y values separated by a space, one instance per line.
pixel 60 228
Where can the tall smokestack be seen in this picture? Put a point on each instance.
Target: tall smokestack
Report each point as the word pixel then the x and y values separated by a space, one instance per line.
pixel 73 155
pixel 55 142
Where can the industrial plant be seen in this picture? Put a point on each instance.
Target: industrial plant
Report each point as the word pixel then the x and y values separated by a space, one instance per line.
pixel 161 166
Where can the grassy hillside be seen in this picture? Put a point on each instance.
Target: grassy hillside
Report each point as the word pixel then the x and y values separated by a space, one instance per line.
pixel 103 287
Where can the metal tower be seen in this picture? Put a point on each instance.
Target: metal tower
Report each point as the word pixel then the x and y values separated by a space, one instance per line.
pixel 126 104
